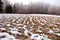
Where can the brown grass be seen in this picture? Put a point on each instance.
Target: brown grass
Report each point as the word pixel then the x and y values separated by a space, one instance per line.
pixel 43 23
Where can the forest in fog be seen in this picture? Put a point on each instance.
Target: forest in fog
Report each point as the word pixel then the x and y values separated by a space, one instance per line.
pixel 31 8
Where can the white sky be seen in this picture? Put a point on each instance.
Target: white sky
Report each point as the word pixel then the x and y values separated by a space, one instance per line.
pixel 23 1
pixel 53 2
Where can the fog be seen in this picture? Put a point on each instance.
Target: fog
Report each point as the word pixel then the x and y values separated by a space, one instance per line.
pixel 31 6
pixel 22 1
pixel 51 2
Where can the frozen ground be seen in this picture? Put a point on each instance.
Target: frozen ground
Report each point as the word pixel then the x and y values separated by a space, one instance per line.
pixel 29 27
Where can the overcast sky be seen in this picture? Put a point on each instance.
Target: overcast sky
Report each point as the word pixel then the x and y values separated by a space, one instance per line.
pixel 52 2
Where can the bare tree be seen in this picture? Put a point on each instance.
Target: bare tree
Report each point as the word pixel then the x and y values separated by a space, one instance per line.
pixel 1 5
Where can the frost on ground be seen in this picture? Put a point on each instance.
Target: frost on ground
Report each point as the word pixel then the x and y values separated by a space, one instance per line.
pixel 6 36
pixel 30 28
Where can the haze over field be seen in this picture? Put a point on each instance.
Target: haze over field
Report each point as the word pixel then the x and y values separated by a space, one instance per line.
pixel 31 6
pixel 52 2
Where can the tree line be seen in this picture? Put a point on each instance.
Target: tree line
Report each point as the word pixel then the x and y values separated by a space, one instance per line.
pixel 38 8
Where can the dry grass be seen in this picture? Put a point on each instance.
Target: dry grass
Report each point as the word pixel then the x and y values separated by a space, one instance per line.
pixel 32 23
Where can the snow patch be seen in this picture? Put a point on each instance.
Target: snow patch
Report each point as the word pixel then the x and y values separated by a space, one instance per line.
pixel 39 37
pixel 58 34
pixel 6 36
pixel 2 29
pixel 51 31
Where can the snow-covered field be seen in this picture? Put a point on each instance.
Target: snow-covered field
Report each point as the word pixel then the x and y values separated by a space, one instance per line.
pixel 29 27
